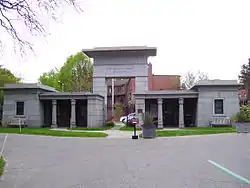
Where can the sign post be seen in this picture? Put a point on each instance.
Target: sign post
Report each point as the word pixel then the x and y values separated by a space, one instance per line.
pixel 20 125
pixel 134 122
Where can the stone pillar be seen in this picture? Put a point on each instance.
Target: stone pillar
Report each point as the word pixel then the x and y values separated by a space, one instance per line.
pixel 140 109
pixel 160 118
pixel 73 114
pixel 181 113
pixel 54 114
pixel 100 87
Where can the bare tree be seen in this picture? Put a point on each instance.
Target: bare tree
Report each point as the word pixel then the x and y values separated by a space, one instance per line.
pixel 192 78
pixel 14 13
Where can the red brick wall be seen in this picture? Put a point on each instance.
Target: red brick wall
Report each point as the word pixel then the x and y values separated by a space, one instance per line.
pixel 162 82
pixel 166 82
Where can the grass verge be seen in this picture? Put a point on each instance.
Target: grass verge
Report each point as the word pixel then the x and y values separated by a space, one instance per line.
pixel 128 128
pixel 196 131
pixel 48 132
pixel 93 129
pixel 2 164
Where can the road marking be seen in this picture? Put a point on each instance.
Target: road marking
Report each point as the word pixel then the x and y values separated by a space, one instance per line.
pixel 229 172
pixel 2 148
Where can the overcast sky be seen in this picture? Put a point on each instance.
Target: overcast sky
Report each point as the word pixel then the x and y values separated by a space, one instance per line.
pixel 212 36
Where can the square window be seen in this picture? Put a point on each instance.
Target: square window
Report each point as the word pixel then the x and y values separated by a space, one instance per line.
pixel 19 108
pixel 218 106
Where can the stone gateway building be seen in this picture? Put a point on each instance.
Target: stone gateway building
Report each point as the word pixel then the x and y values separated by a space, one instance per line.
pixel 35 105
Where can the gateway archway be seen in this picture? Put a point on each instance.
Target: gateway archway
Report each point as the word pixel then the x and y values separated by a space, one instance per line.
pixel 121 62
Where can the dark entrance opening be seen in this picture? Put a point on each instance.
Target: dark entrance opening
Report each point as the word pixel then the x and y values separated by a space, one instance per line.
pixel 190 107
pixel 151 106
pixel 63 113
pixel 47 113
pixel 81 113
pixel 170 112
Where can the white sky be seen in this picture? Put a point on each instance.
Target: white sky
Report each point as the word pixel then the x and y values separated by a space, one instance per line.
pixel 212 36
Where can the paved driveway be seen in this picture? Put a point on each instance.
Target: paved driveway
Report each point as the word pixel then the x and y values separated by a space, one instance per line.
pixel 51 162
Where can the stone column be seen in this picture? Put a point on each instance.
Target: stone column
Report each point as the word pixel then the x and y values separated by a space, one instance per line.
pixel 54 114
pixel 73 114
pixel 140 105
pixel 160 118
pixel 181 113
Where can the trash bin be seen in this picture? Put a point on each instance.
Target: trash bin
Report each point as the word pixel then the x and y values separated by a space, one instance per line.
pixel 242 127
pixel 148 131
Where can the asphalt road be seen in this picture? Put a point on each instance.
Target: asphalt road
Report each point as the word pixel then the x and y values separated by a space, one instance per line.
pixel 52 162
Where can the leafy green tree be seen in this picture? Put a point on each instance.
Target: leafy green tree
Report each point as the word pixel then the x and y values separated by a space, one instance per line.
pixel 244 76
pixel 75 75
pixel 51 79
pixel 6 77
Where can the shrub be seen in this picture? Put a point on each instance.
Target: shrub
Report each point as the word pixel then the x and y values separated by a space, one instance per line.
pixel 118 110
pixel 243 114
pixel 148 121
pixel 147 118
pixel 2 163
pixel 109 124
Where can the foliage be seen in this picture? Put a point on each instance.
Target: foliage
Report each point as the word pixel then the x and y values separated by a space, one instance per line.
pixel 192 78
pixel 243 114
pixel 49 132
pixel 118 109
pixel 244 76
pixel 2 164
pixel 75 75
pixel 16 15
pixel 147 118
pixel 6 77
pixel 109 124
pixel 51 79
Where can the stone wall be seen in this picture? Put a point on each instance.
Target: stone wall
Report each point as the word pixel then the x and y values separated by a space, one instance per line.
pixel 205 104
pixel 119 67
pixel 95 112
pixel 32 106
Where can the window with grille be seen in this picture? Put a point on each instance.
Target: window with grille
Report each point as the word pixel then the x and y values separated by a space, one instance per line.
pixel 20 108
pixel 218 106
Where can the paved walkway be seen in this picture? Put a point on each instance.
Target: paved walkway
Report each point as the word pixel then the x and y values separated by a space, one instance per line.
pixel 118 125
pixel 112 133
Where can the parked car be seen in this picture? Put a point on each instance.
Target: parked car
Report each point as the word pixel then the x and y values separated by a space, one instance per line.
pixel 123 119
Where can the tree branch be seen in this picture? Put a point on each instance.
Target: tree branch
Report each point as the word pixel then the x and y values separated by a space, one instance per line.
pixel 23 11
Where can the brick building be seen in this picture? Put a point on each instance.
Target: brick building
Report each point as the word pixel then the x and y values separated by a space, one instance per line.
pixel 125 88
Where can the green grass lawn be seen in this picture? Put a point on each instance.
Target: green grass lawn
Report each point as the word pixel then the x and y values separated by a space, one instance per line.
pixel 2 164
pixel 48 132
pixel 125 128
pixel 196 131
pixel 93 129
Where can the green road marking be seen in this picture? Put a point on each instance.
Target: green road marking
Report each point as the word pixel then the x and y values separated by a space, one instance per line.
pixel 229 172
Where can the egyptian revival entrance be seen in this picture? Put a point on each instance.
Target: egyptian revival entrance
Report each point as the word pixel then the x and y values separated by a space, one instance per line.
pixel 120 62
